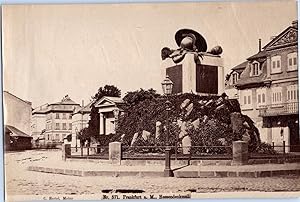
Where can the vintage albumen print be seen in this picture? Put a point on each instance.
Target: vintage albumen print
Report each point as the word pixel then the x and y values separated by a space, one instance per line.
pixel 151 101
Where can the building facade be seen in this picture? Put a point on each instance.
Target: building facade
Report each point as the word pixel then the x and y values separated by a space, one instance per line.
pixel 17 112
pixel 80 120
pixel 17 119
pixel 56 118
pixel 267 88
pixel 38 124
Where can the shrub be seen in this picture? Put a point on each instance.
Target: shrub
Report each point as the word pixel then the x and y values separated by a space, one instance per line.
pixel 264 148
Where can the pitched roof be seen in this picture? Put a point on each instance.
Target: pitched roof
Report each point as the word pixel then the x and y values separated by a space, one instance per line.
pixel 246 79
pixel 66 102
pixel 112 100
pixel 286 37
pixel 240 67
pixel 15 132
pixel 84 109
pixel 8 93
pixel 260 54
pixel 41 109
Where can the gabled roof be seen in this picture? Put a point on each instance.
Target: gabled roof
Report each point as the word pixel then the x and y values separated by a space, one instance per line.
pixel 260 54
pixel 85 109
pixel 240 66
pixel 66 102
pixel 109 101
pixel 41 109
pixel 287 37
pixel 15 132
pixel 8 93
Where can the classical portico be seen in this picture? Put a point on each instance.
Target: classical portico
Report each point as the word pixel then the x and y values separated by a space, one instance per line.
pixel 109 109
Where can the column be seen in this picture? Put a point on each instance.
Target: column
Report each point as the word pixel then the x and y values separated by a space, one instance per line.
pixel 116 116
pixel 189 74
pixel 101 130
pixel 221 80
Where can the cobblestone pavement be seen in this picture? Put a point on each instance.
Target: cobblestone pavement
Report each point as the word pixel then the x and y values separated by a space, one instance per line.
pixel 19 181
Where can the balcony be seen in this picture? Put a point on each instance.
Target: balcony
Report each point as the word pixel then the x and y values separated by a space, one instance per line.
pixel 279 109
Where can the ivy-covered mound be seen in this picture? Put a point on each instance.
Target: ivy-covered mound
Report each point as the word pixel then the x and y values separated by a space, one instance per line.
pixel 194 120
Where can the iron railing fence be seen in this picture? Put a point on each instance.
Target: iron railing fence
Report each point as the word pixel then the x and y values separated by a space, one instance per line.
pixel 282 152
pixel 99 152
pixel 177 153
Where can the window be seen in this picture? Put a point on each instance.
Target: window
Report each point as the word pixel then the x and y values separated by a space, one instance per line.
pixel 247 99
pixel 57 126
pixel 70 116
pixel 292 93
pixel 57 137
pixel 255 69
pixel 276 64
pixel 292 61
pixel 276 95
pixel 64 126
pixel 235 77
pixel 64 116
pixel 48 137
pixel 70 126
pixel 57 116
pixel 261 97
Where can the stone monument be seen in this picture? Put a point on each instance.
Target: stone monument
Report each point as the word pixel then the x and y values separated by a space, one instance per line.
pixel 191 67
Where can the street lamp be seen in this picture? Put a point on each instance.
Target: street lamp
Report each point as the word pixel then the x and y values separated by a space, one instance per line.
pixel 167 86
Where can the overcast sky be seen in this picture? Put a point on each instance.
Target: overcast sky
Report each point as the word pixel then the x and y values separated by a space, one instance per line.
pixel 54 50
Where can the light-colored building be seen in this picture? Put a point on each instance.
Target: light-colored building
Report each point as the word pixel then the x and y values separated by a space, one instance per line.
pixel 109 108
pixel 17 119
pixel 267 88
pixel 80 120
pixel 56 118
pixel 17 112
pixel 38 123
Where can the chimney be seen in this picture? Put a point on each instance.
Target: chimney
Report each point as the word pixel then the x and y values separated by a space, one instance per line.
pixel 295 23
pixel 82 103
pixel 259 45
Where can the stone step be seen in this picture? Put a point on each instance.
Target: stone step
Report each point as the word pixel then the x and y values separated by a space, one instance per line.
pixel 178 173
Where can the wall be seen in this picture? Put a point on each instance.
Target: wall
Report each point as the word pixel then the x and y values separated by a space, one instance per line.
pixel 38 124
pixel 284 64
pixel 79 121
pixel 17 112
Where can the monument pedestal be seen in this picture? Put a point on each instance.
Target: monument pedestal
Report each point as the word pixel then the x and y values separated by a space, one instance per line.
pixel 206 78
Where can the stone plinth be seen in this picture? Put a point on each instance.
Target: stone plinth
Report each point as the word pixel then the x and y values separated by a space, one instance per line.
pixel 186 145
pixel 66 151
pixel 240 153
pixel 115 152
pixel 206 78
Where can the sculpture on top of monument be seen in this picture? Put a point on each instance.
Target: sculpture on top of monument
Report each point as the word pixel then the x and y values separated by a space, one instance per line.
pixel 189 41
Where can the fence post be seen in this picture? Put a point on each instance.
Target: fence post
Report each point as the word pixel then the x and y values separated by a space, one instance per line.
pixel 283 144
pixel 240 153
pixel 176 151
pixel 81 150
pixel 115 152
pixel 66 151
